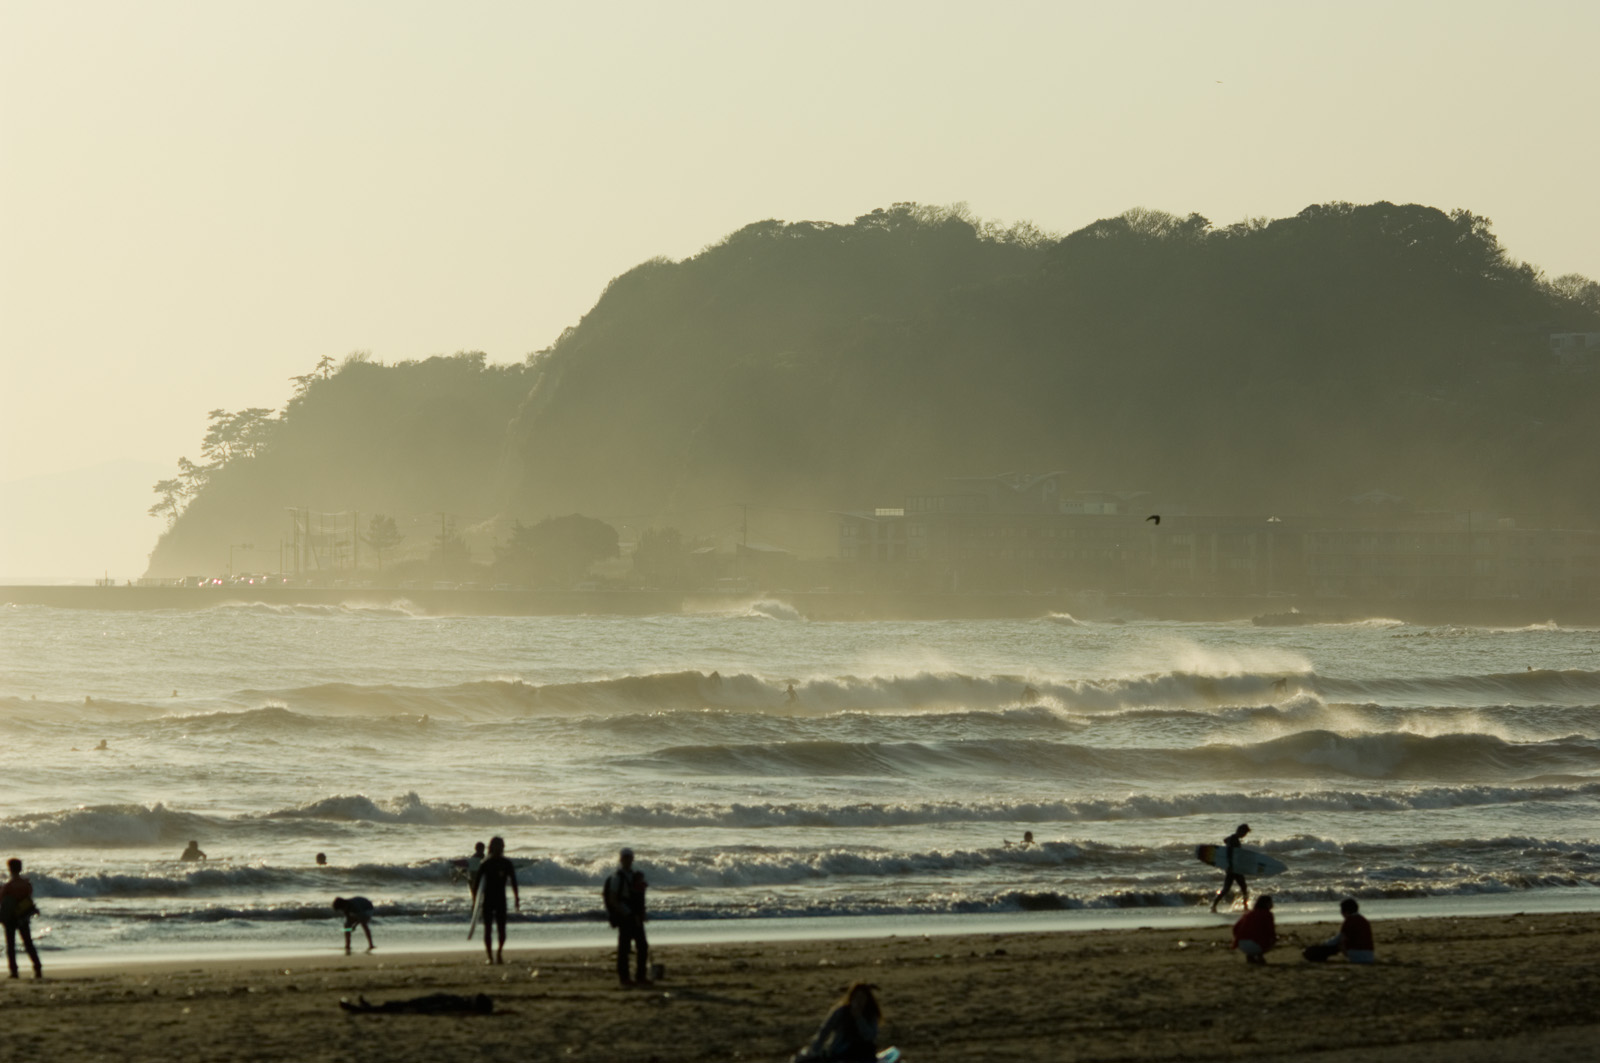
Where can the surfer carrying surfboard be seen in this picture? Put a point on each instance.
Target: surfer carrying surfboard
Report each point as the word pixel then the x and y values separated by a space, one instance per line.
pixel 1232 844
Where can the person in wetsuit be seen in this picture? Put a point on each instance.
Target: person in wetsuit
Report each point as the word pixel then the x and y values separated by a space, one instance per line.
pixel 494 874
pixel 1233 842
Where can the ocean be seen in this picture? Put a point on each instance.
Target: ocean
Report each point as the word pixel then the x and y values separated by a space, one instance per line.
pixel 1393 763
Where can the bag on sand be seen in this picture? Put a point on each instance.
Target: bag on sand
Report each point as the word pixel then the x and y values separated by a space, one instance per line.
pixel 1318 953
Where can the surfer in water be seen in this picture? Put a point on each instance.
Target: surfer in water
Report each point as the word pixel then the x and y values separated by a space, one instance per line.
pixel 494 874
pixel 193 852
pixel 1232 842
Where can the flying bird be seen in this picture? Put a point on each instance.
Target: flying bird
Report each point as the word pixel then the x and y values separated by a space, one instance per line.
pixel 1155 517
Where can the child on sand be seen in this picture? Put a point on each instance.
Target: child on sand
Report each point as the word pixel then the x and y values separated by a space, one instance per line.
pixel 1256 932
pixel 357 911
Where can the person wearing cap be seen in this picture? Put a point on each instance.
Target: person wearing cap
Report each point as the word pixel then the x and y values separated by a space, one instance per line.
pixel 1232 843
pixel 624 898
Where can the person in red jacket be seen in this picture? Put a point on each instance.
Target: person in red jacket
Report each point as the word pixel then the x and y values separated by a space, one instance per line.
pixel 1256 932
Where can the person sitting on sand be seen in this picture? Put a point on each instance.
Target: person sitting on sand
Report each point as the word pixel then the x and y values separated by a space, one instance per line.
pixel 1232 843
pixel 850 1032
pixel 16 912
pixel 1256 932
pixel 357 911
pixel 1354 938
pixel 193 852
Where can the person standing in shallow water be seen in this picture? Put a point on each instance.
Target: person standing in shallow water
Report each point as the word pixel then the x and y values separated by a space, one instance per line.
pixel 16 912
pixel 192 852
pixel 624 897
pixel 494 874
pixel 1232 843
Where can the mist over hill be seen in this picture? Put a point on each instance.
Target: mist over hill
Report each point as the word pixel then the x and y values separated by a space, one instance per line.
pixel 807 367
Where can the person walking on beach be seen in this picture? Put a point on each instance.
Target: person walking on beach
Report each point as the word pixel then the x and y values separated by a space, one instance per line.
pixel 624 897
pixel 1256 932
pixel 494 874
pixel 16 912
pixel 1232 843
pixel 850 1032
pixel 357 911
pixel 1354 938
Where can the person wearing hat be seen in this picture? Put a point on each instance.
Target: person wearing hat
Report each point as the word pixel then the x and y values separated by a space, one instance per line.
pixel 1232 843
pixel 624 897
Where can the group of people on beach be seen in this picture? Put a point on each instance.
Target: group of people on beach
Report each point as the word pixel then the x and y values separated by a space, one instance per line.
pixel 1256 932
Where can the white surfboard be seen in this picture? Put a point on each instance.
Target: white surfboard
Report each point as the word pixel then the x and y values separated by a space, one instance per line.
pixel 477 915
pixel 1246 862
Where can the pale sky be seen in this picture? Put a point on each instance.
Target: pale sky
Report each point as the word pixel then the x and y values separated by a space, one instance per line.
pixel 198 200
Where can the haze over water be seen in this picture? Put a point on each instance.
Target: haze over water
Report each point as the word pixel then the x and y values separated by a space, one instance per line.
pixel 1376 759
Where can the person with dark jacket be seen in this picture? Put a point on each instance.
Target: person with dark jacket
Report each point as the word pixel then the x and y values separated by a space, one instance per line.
pixel 1256 932
pixel 1354 938
pixel 624 899
pixel 850 1032
pixel 16 912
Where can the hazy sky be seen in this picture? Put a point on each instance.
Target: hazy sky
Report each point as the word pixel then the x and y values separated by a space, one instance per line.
pixel 198 200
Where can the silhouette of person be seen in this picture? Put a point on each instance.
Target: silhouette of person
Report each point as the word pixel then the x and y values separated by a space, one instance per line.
pixel 1354 938
pixel 357 911
pixel 1232 843
pixel 494 874
pixel 793 697
pixel 850 1032
pixel 322 859
pixel 474 868
pixel 1256 932
pixel 193 852
pixel 16 912
pixel 1029 694
pixel 624 897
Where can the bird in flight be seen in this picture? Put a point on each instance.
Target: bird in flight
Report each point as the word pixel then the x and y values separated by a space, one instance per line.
pixel 1155 517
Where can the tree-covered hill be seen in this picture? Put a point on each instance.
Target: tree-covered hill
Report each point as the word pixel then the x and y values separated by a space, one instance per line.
pixel 1266 365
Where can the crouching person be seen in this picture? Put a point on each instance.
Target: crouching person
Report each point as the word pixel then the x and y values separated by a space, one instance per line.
pixel 850 1032
pixel 1256 932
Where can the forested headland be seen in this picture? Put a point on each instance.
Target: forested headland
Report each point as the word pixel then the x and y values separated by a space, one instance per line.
pixel 800 368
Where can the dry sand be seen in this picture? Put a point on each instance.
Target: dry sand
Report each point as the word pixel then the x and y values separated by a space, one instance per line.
pixel 1463 990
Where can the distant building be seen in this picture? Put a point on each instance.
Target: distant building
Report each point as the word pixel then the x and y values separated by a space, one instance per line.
pixel 1575 350
pixel 1017 533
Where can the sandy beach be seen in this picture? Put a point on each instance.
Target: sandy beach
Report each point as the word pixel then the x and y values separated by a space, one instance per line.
pixel 1467 989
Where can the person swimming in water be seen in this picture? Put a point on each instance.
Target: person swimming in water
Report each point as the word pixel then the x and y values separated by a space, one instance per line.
pixel 193 852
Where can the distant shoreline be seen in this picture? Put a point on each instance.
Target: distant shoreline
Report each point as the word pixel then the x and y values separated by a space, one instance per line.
pixel 828 605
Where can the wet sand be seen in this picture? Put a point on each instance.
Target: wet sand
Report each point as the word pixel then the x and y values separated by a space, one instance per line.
pixel 1462 990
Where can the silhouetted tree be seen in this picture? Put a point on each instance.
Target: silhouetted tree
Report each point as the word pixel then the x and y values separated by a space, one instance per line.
pixel 557 551
pixel 382 535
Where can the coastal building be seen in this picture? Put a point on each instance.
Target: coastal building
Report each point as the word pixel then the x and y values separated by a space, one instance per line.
pixel 1575 350
pixel 1030 533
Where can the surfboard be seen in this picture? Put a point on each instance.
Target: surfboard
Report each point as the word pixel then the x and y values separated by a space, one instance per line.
pixel 1246 862
pixel 477 915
